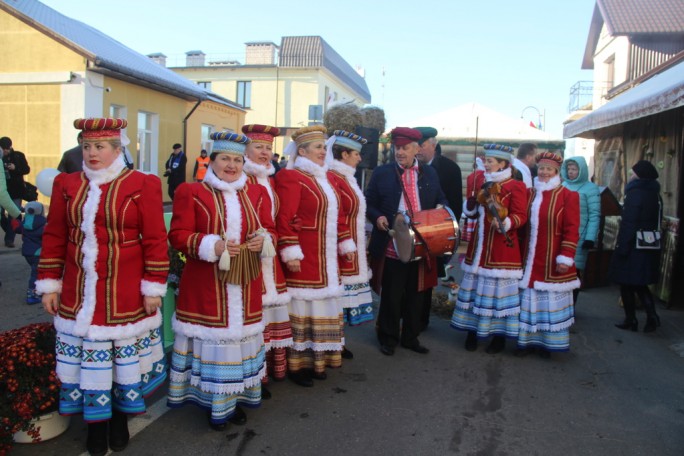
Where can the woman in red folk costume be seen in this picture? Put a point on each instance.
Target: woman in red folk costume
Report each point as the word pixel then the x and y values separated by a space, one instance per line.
pixel 357 302
pixel 309 241
pixel 102 274
pixel 222 225
pixel 488 301
pixel 275 298
pixel 550 276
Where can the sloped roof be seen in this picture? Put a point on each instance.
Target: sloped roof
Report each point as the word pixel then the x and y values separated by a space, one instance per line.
pixel 633 17
pixel 104 51
pixel 627 17
pixel 469 119
pixel 662 92
pixel 313 51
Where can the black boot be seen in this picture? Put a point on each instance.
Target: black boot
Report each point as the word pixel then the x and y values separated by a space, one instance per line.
pixel 497 345
pixel 471 341
pixel 301 378
pixel 97 439
pixel 118 431
pixel 652 318
pixel 630 321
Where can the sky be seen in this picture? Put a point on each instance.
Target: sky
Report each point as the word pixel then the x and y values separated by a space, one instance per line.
pixel 420 58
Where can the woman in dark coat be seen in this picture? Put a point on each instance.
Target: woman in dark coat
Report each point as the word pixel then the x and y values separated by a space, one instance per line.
pixel 634 269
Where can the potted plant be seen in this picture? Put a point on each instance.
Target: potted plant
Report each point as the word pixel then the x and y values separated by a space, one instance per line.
pixel 29 387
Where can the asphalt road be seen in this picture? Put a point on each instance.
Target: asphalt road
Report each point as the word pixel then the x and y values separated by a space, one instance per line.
pixel 614 393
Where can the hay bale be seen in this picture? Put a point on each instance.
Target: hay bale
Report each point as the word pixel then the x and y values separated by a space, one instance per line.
pixel 373 117
pixel 344 116
pixel 441 306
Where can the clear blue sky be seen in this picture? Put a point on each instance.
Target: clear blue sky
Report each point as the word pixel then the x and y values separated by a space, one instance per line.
pixel 436 54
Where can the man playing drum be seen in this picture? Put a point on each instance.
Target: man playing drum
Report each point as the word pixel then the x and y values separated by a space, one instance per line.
pixel 405 186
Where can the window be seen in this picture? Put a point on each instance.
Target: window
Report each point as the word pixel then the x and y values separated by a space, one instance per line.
pixel 204 84
pixel 206 131
pixel 148 142
pixel 117 111
pixel 244 94
pixel 610 72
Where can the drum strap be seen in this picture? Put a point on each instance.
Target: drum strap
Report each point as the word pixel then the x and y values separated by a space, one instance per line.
pixel 409 209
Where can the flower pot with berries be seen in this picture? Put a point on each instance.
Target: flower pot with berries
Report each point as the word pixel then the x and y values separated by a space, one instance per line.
pixel 29 387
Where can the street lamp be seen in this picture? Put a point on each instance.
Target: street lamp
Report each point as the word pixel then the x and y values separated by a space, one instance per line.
pixel 540 115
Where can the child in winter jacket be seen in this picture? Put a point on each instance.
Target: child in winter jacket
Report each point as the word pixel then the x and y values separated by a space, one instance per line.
pixel 31 229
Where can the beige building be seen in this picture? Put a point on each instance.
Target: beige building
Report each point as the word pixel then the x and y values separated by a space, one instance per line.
pixel 288 86
pixel 56 69
pixel 636 50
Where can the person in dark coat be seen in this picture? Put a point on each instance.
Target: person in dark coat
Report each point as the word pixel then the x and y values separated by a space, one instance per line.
pixel 15 168
pixel 449 174
pixel 632 268
pixel 72 159
pixel 175 169
pixel 402 284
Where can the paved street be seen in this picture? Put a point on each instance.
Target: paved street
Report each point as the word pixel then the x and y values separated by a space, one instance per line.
pixel 616 392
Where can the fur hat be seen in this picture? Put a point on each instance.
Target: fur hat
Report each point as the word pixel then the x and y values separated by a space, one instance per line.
pixel 645 170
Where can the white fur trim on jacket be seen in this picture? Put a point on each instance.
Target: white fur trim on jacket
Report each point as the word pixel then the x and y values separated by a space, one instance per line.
pixel 206 250
pixel 560 286
pixel 262 173
pixel 213 181
pixel 44 286
pixel 562 259
pixel 84 317
pixel 137 329
pixel 498 176
pixel 333 288
pixel 507 224
pixel 292 252
pixel 472 268
pixel 230 334
pixel 346 246
pixel 470 214
pixel 271 298
pixel 154 289
pixel 348 172
pixel 533 222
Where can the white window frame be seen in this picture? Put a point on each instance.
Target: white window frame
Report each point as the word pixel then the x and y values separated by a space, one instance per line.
pixel 148 142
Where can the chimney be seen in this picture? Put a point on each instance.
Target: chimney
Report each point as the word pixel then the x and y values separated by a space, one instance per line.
pixel 260 53
pixel 194 58
pixel 158 57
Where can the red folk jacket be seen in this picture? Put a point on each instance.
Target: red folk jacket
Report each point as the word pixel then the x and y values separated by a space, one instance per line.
pixel 274 292
pixel 209 307
pixel 488 254
pixel 353 212
pixel 553 231
pixel 104 248
pixel 308 230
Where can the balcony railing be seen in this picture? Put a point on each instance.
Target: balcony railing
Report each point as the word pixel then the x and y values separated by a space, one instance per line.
pixel 581 96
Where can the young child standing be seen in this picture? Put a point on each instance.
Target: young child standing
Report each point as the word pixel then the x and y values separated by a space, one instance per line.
pixel 31 229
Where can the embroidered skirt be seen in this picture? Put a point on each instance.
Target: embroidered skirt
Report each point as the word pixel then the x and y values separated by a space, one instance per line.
pixel 98 376
pixel 357 304
pixel 487 306
pixel 545 319
pixel 277 332
pixel 317 334
pixel 277 336
pixel 217 375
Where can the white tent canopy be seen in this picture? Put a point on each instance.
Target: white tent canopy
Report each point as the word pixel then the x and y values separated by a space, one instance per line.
pixel 463 121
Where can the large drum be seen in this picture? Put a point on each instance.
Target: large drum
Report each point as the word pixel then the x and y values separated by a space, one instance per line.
pixel 438 229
